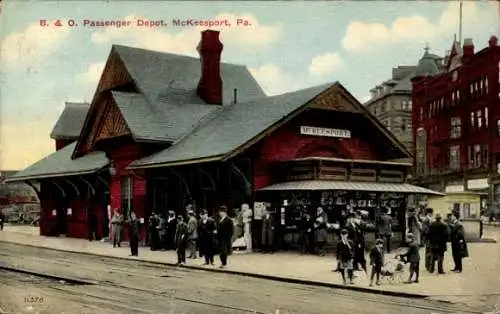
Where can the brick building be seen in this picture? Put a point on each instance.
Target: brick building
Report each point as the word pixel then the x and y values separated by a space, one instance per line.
pixel 391 101
pixel 457 122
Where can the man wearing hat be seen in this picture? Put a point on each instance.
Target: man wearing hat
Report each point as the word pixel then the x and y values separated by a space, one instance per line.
pixel 437 236
pixel 192 233
pixel 412 256
pixel 345 256
pixel 207 236
pixel 321 233
pixel 224 235
pixel 181 240
pixel 171 224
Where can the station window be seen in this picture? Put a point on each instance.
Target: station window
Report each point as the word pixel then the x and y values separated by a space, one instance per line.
pixel 472 119
pixel 479 119
pixel 456 127
pixel 455 157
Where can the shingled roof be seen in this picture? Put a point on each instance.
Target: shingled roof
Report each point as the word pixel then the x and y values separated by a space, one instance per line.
pixel 232 127
pixel 60 164
pixel 70 122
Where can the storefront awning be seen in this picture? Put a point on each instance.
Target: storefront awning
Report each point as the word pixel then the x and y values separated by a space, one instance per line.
pixel 322 185
pixel 60 164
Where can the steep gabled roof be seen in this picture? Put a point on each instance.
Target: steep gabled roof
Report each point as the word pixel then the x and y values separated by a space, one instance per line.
pixel 60 164
pixel 70 122
pixel 232 127
pixel 163 104
pixel 240 124
pixel 159 74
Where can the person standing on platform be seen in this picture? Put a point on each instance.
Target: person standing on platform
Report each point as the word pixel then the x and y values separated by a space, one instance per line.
pixel 225 231
pixel 181 240
pixel 438 237
pixel 321 233
pixel 359 251
pixel 154 231
pixel 377 260
pixel 384 229
pixel 171 228
pixel 207 236
pixel 92 223
pixel 458 245
pixel 135 231
pixel 412 256
pixel 2 219
pixel 267 232
pixel 426 222
pixel 307 234
pixel 414 226
pixel 192 234
pixel 116 224
pixel 345 255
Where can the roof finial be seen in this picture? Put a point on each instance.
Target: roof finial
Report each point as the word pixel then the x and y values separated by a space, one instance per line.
pixel 426 49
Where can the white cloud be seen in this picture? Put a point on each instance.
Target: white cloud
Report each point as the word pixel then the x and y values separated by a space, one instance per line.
pixel 361 36
pixel 93 73
pixel 23 143
pixel 325 64
pixel 255 37
pixel 31 45
pixel 272 79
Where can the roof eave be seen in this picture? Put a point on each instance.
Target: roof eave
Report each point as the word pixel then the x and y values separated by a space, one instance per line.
pixel 274 126
pixel 177 163
pixel 53 175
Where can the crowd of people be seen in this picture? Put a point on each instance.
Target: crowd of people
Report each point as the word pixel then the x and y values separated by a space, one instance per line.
pixel 190 234
pixel 423 230
pixel 197 234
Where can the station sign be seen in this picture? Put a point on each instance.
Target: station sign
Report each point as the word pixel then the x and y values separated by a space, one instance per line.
pixel 317 131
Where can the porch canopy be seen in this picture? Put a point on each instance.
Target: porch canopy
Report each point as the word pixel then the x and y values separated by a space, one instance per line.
pixel 60 164
pixel 324 185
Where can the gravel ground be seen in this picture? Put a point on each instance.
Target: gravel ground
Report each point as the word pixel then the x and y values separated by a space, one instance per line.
pixel 127 286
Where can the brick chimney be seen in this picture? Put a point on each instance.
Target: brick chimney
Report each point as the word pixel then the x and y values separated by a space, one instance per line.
pixel 210 85
pixel 468 48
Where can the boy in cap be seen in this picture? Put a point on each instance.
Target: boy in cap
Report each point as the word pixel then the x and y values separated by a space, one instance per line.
pixel 345 255
pixel 412 256
pixel 376 260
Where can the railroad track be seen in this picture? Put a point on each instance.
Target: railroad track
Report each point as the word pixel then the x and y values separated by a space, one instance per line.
pixel 107 295
pixel 150 271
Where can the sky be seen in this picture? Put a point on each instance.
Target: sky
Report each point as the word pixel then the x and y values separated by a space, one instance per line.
pixel 286 45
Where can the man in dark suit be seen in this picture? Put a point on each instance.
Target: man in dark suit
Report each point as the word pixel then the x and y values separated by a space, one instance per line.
pixel 437 236
pixel 171 228
pixel 267 232
pixel 135 231
pixel 181 240
pixel 206 235
pixel 224 235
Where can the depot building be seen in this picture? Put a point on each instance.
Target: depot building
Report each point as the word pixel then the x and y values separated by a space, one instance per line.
pixel 164 131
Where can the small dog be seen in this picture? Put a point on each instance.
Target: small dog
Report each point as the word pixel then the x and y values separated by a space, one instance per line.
pixel 393 272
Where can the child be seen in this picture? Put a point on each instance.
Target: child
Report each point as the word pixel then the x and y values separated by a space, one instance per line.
pixel 345 255
pixel 412 256
pixel 377 260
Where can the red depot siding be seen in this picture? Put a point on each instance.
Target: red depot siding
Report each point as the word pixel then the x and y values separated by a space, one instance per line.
pixel 287 143
pixel 122 156
pixel 77 221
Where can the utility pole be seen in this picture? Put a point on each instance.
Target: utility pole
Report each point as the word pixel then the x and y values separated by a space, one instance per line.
pixel 460 24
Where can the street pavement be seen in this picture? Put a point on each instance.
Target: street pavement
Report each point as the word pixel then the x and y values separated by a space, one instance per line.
pixel 111 285
pixel 478 285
